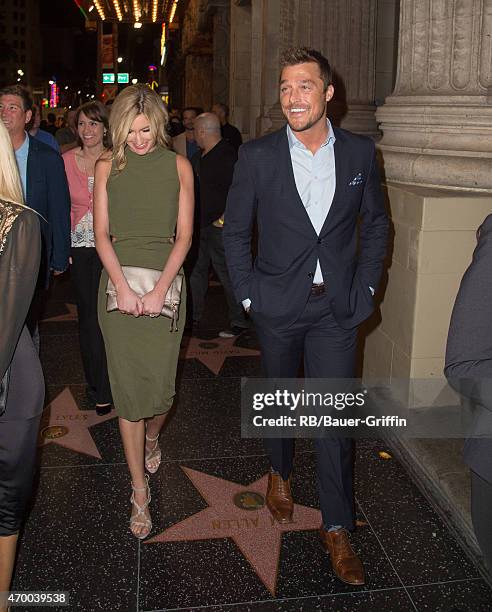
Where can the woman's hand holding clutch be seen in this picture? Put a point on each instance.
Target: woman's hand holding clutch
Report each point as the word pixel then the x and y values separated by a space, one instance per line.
pixel 129 302
pixel 152 302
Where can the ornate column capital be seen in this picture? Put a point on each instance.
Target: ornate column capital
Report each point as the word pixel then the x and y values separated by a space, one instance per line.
pixel 437 125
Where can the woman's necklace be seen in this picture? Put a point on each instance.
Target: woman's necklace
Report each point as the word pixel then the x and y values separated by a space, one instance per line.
pixel 89 179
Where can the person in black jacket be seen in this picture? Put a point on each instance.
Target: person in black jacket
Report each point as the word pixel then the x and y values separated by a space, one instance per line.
pixel 468 369
pixel 213 167
pixel 21 378
pixel 227 131
pixel 45 188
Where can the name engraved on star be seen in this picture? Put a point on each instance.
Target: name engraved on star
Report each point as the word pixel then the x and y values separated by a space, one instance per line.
pixel 72 417
pixel 219 351
pixel 237 523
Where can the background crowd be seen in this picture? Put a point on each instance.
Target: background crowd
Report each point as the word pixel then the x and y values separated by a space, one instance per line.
pixel 47 181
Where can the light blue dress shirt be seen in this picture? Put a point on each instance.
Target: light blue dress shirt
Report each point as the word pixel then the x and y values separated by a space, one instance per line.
pixel 315 180
pixel 21 156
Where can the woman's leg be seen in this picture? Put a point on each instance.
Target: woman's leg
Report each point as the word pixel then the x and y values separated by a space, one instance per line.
pixel 133 435
pixel 154 425
pixel 8 546
pixel 152 451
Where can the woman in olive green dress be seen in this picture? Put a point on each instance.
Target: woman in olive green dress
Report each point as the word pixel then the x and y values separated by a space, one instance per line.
pixel 143 216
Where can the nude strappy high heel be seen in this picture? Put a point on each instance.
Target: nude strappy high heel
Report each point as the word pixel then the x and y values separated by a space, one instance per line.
pixel 152 455
pixel 139 519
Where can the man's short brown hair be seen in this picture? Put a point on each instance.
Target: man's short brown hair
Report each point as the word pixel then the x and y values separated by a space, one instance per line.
pixel 301 55
pixel 21 92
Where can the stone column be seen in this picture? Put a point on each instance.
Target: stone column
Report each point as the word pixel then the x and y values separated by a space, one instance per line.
pixel 221 51
pixel 215 15
pixel 437 154
pixel 240 66
pixel 199 75
pixel 345 31
pixel 437 125
pixel 197 56
pixel 386 48
pixel 266 43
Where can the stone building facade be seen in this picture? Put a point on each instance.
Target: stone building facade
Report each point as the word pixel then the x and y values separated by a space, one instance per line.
pixel 230 49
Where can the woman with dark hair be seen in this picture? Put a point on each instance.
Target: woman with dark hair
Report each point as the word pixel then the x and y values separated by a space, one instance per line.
pixel 21 378
pixel 91 121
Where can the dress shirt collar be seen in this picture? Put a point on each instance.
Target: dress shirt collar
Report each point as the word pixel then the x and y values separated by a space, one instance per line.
pixel 295 142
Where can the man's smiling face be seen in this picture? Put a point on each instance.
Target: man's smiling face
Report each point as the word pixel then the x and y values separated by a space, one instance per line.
pixel 303 97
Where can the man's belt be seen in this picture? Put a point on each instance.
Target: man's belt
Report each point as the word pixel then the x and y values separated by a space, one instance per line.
pixel 317 288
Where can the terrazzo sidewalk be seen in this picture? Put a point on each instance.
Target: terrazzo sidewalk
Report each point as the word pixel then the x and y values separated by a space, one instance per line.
pixel 212 547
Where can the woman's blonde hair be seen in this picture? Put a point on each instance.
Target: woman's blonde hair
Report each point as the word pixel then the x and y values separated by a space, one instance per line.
pixel 10 183
pixel 136 100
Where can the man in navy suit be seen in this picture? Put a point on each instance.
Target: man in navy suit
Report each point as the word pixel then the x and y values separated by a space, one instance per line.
pixel 45 188
pixel 315 194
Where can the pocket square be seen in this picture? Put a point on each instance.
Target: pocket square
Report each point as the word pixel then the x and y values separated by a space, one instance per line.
pixel 357 180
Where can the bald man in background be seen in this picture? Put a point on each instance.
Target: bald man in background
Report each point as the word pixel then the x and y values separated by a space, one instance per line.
pixel 213 166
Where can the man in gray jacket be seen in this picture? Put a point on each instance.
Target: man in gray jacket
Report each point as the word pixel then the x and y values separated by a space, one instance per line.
pixel 469 371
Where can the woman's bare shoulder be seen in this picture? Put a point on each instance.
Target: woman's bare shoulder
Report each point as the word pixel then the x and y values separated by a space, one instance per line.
pixel 106 156
pixel 103 164
pixel 183 165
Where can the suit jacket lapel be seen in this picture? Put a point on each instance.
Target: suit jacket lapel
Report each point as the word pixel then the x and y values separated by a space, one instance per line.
pixel 289 181
pixel 31 169
pixel 340 175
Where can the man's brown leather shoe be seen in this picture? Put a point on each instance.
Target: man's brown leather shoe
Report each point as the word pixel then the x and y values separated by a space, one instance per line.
pixel 346 564
pixel 279 498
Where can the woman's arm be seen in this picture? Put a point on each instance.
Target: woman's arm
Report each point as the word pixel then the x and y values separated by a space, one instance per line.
pixel 154 300
pixel 127 300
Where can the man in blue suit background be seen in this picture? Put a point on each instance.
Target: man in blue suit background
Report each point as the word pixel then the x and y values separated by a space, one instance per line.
pixel 315 194
pixel 44 184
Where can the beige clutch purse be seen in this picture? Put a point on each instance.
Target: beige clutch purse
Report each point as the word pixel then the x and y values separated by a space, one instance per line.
pixel 143 280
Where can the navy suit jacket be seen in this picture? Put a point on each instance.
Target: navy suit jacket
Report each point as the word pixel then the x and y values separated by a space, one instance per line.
pixel 469 351
pixel 351 246
pixel 48 194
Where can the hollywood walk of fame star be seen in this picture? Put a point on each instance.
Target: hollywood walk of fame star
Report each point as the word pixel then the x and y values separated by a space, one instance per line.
pixel 71 315
pixel 213 353
pixel 64 424
pixel 255 532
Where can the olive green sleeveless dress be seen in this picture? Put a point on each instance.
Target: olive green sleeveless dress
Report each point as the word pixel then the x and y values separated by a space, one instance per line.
pixel 142 353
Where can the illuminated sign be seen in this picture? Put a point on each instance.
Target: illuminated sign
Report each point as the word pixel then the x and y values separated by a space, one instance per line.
pixel 54 95
pixel 108 77
pixel 123 77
